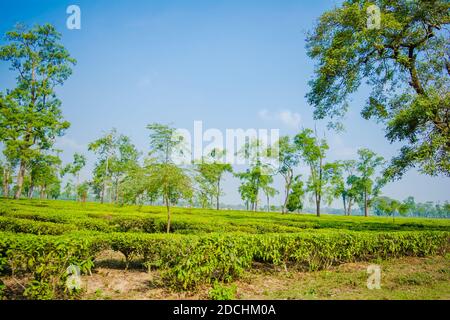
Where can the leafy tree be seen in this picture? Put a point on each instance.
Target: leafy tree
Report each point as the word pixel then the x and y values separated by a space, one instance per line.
pixel 166 144
pixel 133 185
pixel 124 160
pixel 211 170
pixel 295 199
pixel 268 190
pixel 68 190
pixel 258 175
pixel 251 185
pixel 389 207
pixel 405 62
pixel 30 114
pixel 342 179
pixel 369 187
pixel 171 182
pixel 162 175
pixel 82 191
pixel 247 188
pixel 204 189
pixel 105 147
pixel 74 168
pixel 54 190
pixel 312 152
pixel 44 174
pixel 288 157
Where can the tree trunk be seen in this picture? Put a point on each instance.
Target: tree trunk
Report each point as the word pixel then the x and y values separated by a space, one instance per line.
pixel 42 195
pixel 349 212
pixel 6 174
pixel 118 193
pixel 168 213
pixel 20 176
pixel 30 192
pixel 366 208
pixel 318 207
pixel 287 188
pixel 218 194
pixel 345 205
pixel 102 197
pixel 319 192
pixel 268 203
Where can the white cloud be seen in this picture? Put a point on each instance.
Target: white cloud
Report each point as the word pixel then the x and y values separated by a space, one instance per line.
pixel 288 118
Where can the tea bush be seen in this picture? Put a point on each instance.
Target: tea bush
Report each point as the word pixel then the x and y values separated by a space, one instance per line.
pixel 222 292
pixel 40 240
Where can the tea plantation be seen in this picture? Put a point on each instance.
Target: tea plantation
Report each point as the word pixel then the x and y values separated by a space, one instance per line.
pixel 39 240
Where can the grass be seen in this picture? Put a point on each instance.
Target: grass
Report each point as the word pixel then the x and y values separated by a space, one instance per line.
pixel 403 278
pixel 407 278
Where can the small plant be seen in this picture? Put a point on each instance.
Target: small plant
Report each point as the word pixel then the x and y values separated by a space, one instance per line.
pixel 39 290
pixel 222 292
pixel 2 289
pixel 98 294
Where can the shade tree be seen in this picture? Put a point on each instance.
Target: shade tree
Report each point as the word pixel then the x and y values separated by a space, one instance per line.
pixel 30 113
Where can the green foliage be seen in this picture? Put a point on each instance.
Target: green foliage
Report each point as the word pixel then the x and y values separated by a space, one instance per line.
pixel 30 113
pixel 163 176
pixel 288 156
pixel 43 238
pixel 312 152
pixel 389 207
pixel 210 173
pixel 46 259
pixel 33 227
pixel 295 199
pixel 405 62
pixel 222 292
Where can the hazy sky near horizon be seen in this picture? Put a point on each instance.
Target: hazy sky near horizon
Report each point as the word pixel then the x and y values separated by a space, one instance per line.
pixel 231 64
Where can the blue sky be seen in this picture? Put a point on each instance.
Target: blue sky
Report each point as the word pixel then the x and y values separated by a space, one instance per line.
pixel 231 64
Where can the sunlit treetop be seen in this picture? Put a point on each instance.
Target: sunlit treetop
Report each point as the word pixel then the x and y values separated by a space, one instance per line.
pixel 406 64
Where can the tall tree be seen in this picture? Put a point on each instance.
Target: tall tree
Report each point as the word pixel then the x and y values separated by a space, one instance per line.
pixel 258 174
pixel 68 189
pixel 123 161
pixel 74 168
pixel 83 191
pixel 312 152
pixel 250 186
pixel 163 176
pixel 105 147
pixel 288 157
pixel 133 185
pixel 44 174
pixel 212 168
pixel 30 114
pixel 406 63
pixel 389 207
pixel 369 185
pixel 341 175
pixel 268 190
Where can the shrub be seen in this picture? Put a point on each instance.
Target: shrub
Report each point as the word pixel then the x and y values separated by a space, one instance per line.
pixel 33 227
pixel 222 292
